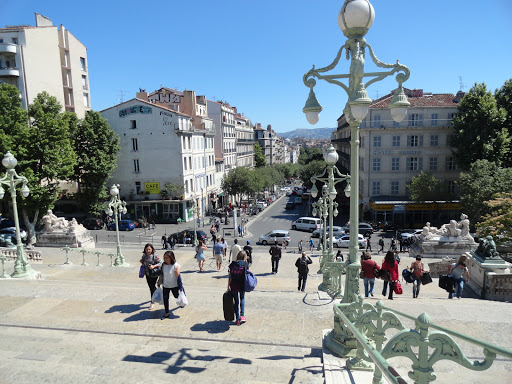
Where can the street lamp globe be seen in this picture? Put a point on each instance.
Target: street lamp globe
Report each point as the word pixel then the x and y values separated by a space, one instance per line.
pixel 331 157
pixel 114 191
pixel 356 17
pixel 2 193
pixel 25 191
pixel 399 105
pixel 9 161
pixel 347 190
pixel 314 191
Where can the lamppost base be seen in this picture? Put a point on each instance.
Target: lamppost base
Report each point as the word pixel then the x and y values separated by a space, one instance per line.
pixel 121 264
pixel 336 347
pixel 323 287
pixel 28 275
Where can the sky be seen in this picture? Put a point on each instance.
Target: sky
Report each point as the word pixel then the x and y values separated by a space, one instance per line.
pixel 253 54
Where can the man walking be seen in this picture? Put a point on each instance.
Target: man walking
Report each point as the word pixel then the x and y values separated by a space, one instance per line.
pixel 235 248
pixel 300 246
pixel 369 243
pixel 303 269
pixel 275 256
pixel 311 244
pixel 218 252
pixel 248 250
pixel 381 244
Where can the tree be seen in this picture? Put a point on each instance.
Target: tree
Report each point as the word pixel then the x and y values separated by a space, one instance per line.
pixel 13 118
pixel 498 223
pixel 96 146
pixel 309 154
pixel 479 130
pixel 312 168
pixel 424 187
pixel 479 184
pixel 237 181
pixel 45 156
pixel 259 157
pixel 504 100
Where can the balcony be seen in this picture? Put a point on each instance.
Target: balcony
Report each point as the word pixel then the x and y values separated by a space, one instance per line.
pixel 8 48
pixel 9 72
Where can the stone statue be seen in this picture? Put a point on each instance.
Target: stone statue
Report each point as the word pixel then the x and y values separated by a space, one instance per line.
pixel 52 222
pixel 464 227
pixel 427 233
pixel 450 229
pixel 74 226
pixel 487 248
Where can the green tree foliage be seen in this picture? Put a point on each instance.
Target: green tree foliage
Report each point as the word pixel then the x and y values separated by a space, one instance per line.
pixel 271 176
pixel 259 157
pixel 96 146
pixel 312 168
pixel 425 187
pixel 237 181
pixel 13 118
pixel 479 130
pixel 498 223
pixel 504 100
pixel 310 154
pixel 480 184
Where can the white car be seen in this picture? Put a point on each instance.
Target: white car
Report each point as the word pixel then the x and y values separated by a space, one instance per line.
pixel 288 192
pixel 261 204
pixel 406 235
pixel 343 241
pixel 274 236
pixel 336 232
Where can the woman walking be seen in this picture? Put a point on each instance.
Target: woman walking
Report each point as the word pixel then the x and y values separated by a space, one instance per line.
pixel 169 279
pixel 236 284
pixel 391 265
pixel 200 255
pixel 460 273
pixel 150 260
pixel 368 267
pixel 417 269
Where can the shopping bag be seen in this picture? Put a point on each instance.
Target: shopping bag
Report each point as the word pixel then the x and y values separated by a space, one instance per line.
pixel 158 296
pixel 426 278
pixel 398 288
pixel 142 271
pixel 182 299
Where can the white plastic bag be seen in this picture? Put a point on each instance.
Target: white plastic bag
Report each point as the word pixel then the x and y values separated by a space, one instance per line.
pixel 158 296
pixel 182 299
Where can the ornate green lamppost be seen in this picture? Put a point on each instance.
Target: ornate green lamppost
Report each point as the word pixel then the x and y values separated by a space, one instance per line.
pixel 354 20
pixel 194 209
pixel 330 177
pixel 11 179
pixel 115 206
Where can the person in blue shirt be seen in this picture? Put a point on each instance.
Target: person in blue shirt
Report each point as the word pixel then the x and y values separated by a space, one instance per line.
pixel 218 253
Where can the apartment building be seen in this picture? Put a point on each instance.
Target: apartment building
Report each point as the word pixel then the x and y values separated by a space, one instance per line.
pixel 46 58
pixel 223 116
pixel 392 153
pixel 244 141
pixel 272 146
pixel 162 150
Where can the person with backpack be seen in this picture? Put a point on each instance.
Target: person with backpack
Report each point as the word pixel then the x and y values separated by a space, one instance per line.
pixel 390 264
pixel 248 251
pixel 392 244
pixel 236 285
pixel 275 256
pixel 303 269
pixel 416 269
pixel 368 267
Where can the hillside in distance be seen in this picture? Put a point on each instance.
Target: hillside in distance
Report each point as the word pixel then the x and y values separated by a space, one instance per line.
pixel 314 133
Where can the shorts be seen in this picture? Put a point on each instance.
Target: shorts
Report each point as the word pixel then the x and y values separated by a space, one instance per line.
pixel 218 258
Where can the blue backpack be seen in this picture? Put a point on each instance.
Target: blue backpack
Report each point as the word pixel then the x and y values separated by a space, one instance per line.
pixel 250 281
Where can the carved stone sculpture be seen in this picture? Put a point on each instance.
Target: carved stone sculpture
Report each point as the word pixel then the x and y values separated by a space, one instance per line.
pixel 487 248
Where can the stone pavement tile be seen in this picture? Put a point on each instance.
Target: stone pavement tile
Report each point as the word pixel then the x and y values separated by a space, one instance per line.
pixel 11 303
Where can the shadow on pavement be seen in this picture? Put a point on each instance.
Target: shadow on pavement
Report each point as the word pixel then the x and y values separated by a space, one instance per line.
pixel 127 308
pixel 215 326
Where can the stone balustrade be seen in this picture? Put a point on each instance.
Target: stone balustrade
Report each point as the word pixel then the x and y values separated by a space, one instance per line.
pixel 498 286
pixel 32 255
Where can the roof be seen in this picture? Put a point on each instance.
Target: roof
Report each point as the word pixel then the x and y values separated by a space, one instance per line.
pixel 418 98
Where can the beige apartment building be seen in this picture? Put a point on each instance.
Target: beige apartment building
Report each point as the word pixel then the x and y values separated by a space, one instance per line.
pixel 46 58
pixel 392 153
pixel 244 142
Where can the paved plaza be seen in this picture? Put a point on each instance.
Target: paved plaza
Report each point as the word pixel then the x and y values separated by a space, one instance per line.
pixel 88 324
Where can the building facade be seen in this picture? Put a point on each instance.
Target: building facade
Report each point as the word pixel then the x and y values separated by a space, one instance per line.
pixel 392 153
pixel 244 142
pixel 223 116
pixel 46 58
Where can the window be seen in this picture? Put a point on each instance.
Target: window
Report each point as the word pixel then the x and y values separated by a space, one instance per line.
pixel 135 145
pixel 414 163
pixel 433 120
pixel 432 164
pixel 395 164
pixel 415 120
pixel 186 186
pixel 376 164
pixel 133 124
pixel 376 188
pixel 396 141
pixel 376 121
pixel 136 166
pixel 185 163
pixel 137 187
pixel 84 82
pixel 451 116
pixel 82 64
pixel 452 187
pixel 434 140
pixel 395 187
pixel 415 140
pixel 450 164
pixel 1 41
pixel 377 141
pixel 15 40
pixel 86 100
pixel 396 124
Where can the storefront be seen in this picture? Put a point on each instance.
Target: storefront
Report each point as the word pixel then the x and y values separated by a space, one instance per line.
pixel 160 211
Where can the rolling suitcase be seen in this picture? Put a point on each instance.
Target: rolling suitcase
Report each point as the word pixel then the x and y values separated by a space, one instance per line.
pixel 447 283
pixel 228 304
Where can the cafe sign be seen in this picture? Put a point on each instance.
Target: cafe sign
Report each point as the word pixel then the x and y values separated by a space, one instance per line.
pixel 152 187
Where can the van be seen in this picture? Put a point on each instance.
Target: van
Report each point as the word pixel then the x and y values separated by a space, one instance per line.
pixel 364 229
pixel 307 224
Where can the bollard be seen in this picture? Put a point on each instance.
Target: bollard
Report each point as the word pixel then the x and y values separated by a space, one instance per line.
pixel 67 249
pixel 111 259
pixel 98 253
pixel 4 275
pixel 83 251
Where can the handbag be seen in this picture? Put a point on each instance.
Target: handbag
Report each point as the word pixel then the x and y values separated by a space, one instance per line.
pixel 398 288
pixel 250 281
pixel 155 272
pixel 376 272
pixel 385 275
pixel 361 274
pixel 142 271
pixel 447 283
pixel 426 278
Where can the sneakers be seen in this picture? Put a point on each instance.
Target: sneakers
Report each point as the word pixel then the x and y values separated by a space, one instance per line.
pixel 152 306
pixel 238 322
pixel 242 319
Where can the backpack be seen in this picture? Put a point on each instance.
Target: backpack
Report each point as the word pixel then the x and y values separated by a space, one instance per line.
pixel 250 281
pixel 237 272
pixel 303 265
pixel 407 275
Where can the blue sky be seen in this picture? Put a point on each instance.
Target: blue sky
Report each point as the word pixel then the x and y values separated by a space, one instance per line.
pixel 253 54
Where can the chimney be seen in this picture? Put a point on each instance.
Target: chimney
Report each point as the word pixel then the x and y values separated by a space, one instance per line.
pixel 142 95
pixel 459 96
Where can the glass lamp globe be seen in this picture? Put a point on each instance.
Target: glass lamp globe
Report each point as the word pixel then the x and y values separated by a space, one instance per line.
pixel 9 161
pixel 114 191
pixel 356 17
pixel 25 191
pixel 331 156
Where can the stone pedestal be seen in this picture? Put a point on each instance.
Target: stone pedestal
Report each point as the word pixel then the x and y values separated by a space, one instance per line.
pixel 490 278
pixel 441 247
pixel 76 239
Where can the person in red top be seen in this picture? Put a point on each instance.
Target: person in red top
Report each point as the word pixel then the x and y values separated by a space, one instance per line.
pixel 368 266
pixel 391 265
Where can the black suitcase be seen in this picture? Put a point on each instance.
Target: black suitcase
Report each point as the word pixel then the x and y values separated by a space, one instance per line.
pixel 447 282
pixel 228 304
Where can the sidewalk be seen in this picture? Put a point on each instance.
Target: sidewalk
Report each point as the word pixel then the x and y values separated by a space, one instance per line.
pixel 92 325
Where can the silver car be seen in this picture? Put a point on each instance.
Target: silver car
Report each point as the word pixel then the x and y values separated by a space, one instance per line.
pixel 275 235
pixel 336 231
pixel 343 241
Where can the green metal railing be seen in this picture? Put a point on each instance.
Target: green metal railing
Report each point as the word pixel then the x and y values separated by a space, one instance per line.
pixel 332 273
pixel 84 252
pixel 363 326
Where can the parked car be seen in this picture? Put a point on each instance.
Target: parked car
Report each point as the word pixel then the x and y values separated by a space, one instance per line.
pixel 343 241
pixel 189 234
pixel 336 231
pixel 124 225
pixel 93 223
pixel 11 232
pixel 288 192
pixel 275 235
pixel 298 200
pixel 409 233
pixel 261 204
pixel 364 229
pixel 290 205
pixel 307 224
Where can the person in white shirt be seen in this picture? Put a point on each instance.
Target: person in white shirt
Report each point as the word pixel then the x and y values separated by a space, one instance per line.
pixel 169 279
pixel 235 248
